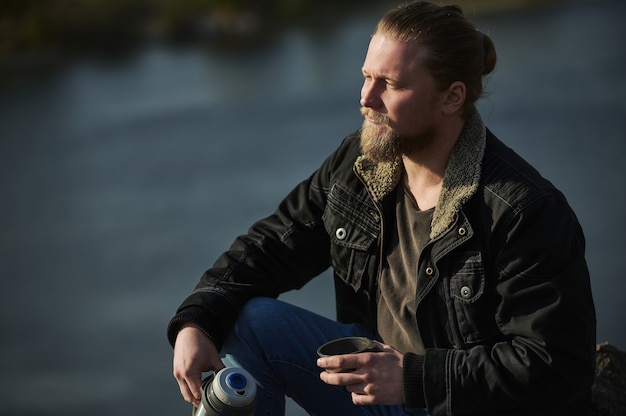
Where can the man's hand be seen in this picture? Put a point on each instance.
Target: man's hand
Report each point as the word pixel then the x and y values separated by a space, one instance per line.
pixel 376 377
pixel 194 353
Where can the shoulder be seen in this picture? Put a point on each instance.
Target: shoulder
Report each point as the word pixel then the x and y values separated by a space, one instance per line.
pixel 511 179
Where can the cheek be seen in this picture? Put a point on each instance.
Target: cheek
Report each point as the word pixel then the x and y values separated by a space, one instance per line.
pixel 401 106
pixel 410 115
pixel 402 117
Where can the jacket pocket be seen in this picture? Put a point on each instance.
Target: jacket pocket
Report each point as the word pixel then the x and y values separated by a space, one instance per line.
pixel 352 222
pixel 475 312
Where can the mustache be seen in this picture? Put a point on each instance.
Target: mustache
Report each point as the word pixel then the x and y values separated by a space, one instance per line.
pixel 374 115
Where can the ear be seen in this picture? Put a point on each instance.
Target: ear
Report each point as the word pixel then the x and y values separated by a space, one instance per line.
pixel 454 98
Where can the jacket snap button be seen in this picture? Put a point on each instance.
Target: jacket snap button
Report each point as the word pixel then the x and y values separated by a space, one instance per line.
pixel 340 233
pixel 462 231
pixel 429 271
pixel 466 292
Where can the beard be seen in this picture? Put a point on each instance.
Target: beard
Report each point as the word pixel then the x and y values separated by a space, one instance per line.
pixel 381 143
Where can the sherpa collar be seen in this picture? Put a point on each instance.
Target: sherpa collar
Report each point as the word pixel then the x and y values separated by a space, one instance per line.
pixel 459 184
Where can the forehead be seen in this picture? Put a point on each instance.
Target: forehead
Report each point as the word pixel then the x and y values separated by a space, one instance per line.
pixel 388 56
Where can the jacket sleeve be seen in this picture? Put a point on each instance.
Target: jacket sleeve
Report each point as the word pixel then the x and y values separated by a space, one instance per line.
pixel 544 360
pixel 278 253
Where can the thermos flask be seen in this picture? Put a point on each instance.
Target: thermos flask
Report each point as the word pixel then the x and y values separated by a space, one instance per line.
pixel 229 392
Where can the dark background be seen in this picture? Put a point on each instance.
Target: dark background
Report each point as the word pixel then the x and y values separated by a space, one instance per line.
pixel 134 146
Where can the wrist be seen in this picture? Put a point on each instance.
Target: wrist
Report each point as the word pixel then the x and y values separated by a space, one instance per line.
pixel 413 381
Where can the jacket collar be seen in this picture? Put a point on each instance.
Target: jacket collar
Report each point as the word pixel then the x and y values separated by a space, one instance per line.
pixel 459 184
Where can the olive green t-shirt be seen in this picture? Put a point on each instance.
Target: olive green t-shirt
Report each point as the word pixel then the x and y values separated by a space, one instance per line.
pixel 397 323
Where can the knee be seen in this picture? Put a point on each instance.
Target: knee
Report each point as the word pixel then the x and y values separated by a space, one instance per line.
pixel 261 315
pixel 259 310
pixel 259 324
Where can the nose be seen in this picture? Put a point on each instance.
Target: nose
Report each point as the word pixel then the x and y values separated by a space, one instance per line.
pixel 370 97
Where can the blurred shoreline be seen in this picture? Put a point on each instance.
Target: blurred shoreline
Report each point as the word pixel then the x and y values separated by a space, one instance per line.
pixel 38 34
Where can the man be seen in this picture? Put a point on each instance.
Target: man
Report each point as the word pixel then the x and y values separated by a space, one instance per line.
pixel 446 246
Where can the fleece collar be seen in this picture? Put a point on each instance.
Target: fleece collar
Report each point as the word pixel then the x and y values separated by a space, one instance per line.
pixel 459 184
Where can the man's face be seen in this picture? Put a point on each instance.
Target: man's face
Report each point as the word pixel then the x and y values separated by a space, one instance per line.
pixel 399 98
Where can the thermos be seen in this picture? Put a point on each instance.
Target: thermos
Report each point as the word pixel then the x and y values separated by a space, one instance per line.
pixel 229 392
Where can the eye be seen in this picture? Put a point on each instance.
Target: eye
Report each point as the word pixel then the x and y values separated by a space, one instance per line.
pixel 392 85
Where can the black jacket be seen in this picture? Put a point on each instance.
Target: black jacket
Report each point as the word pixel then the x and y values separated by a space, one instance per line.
pixel 504 304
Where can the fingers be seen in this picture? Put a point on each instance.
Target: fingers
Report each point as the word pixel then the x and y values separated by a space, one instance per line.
pixel 356 384
pixel 340 378
pixel 194 353
pixel 343 370
pixel 339 363
pixel 363 399
pixel 189 382
pixel 345 363
pixel 217 364
pixel 377 378
pixel 190 390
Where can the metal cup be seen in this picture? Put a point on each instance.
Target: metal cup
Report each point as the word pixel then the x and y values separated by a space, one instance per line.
pixel 347 345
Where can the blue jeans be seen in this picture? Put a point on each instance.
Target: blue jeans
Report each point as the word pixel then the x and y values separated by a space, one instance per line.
pixel 277 342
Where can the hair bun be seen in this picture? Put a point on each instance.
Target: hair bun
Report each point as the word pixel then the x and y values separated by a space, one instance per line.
pixel 489 55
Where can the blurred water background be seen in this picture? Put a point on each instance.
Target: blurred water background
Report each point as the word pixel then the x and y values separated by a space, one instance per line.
pixel 122 179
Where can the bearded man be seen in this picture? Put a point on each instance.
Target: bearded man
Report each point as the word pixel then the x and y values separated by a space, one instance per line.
pixel 462 262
